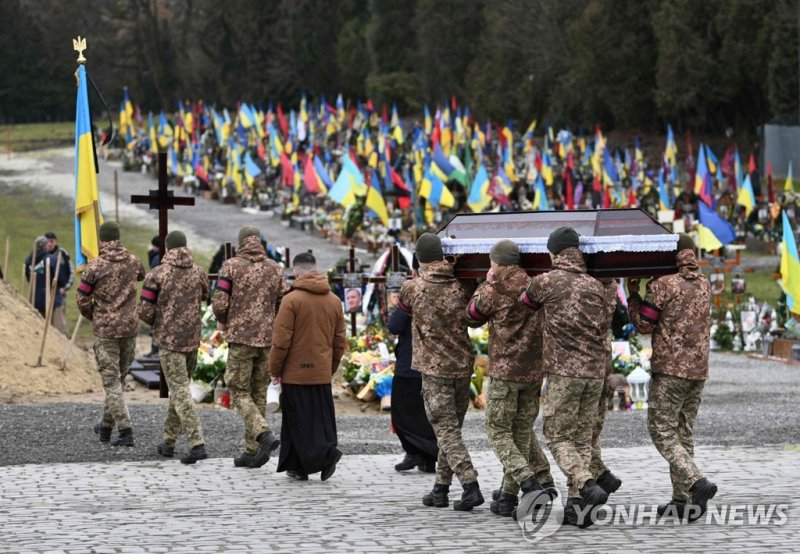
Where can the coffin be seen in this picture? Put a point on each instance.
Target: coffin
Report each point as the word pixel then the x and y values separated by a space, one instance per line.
pixel 616 242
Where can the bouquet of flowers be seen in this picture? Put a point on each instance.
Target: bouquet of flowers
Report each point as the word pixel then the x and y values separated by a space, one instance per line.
pixel 480 339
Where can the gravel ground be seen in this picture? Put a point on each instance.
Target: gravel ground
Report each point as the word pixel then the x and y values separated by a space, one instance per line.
pixel 747 402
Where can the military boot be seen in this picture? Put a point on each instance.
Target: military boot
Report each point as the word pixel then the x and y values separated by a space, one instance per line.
pixel 571 514
pixel 672 508
pixel 166 450
pixel 497 493
pixel 592 494
pixel 409 462
pixel 609 482
pixel 125 438
pixel 437 497
pixel 245 459
pixel 504 506
pixel 267 444
pixel 551 489
pixel 470 498
pixel 195 454
pixel 103 432
pixel 702 491
pixel 427 466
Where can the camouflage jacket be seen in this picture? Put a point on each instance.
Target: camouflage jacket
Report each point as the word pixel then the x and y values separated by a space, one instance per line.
pixel 577 315
pixel 437 301
pixel 107 292
pixel 677 312
pixel 249 291
pixel 170 301
pixel 610 288
pixel 515 333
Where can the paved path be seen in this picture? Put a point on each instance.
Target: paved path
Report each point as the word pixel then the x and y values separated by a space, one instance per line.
pixel 366 506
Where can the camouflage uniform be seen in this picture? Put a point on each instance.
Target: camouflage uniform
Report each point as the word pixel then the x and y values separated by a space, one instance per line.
pixel 676 312
pixel 597 467
pixel 170 302
pixel 515 371
pixel 443 353
pixel 248 293
pixel 576 311
pixel 107 297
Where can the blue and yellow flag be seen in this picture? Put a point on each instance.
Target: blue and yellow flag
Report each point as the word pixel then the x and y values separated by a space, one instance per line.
pixel 87 201
pixel 479 196
pixel 790 266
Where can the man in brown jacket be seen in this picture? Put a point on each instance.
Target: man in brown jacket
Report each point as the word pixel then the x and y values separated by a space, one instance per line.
pixel 107 297
pixel 576 309
pixel 676 311
pixel 170 302
pixel 443 353
pixel 515 377
pixel 307 345
pixel 249 290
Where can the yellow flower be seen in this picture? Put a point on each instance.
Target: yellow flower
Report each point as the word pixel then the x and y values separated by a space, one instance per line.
pixel 361 343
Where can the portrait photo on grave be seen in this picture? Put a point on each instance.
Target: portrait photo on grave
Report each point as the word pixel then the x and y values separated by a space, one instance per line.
pixel 717 281
pixel 352 300
pixel 738 285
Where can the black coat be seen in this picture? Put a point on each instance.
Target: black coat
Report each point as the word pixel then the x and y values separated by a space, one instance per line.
pixel 400 324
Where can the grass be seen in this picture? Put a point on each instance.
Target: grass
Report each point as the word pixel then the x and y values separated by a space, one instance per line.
pixel 26 213
pixel 33 136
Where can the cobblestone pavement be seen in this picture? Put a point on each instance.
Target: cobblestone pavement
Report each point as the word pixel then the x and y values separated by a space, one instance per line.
pixel 165 506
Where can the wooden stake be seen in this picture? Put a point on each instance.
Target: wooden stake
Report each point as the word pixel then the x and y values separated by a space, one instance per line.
pixel 32 280
pixel 22 281
pixel 63 365
pixel 47 281
pixel 5 259
pixel 51 288
pixel 116 197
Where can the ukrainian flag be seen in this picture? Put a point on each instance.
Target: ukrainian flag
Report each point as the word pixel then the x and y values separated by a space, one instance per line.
pixel 540 196
pixel 375 201
pixel 746 197
pixel 251 169
pixel 479 196
pixel 790 265
pixel 714 232
pixel 87 201
pixel 435 191
pixel 348 185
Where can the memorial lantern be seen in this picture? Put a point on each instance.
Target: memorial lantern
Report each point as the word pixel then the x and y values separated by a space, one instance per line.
pixel 639 380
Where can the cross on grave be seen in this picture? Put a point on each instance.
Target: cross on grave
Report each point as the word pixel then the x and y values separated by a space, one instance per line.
pixel 162 200
pixel 359 279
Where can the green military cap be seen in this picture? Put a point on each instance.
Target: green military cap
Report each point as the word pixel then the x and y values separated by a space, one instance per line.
pixel 109 231
pixel 175 239
pixel 429 248
pixel 685 242
pixel 562 238
pixel 505 252
pixel 248 231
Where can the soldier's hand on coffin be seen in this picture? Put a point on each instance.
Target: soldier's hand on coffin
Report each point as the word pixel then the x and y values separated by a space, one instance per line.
pixel 633 285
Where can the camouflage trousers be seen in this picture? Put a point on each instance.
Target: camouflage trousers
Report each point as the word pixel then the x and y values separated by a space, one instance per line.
pixel 247 376
pixel 181 415
pixel 596 465
pixel 511 409
pixel 446 403
pixel 114 358
pixel 672 408
pixel 570 411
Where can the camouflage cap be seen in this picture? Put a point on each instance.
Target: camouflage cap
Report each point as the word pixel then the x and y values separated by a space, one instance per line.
pixel 109 231
pixel 562 238
pixel 429 248
pixel 505 252
pixel 685 242
pixel 175 239
pixel 249 231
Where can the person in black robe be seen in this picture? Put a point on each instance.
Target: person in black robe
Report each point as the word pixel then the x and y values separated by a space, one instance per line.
pixel 408 410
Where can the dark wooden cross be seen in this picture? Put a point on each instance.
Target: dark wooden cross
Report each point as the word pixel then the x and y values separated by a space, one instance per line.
pixel 162 199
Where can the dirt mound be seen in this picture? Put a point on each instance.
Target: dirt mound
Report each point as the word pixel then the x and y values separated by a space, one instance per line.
pixel 21 329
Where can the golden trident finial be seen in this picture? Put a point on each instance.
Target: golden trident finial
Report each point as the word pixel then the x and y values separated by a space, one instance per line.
pixel 79 45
